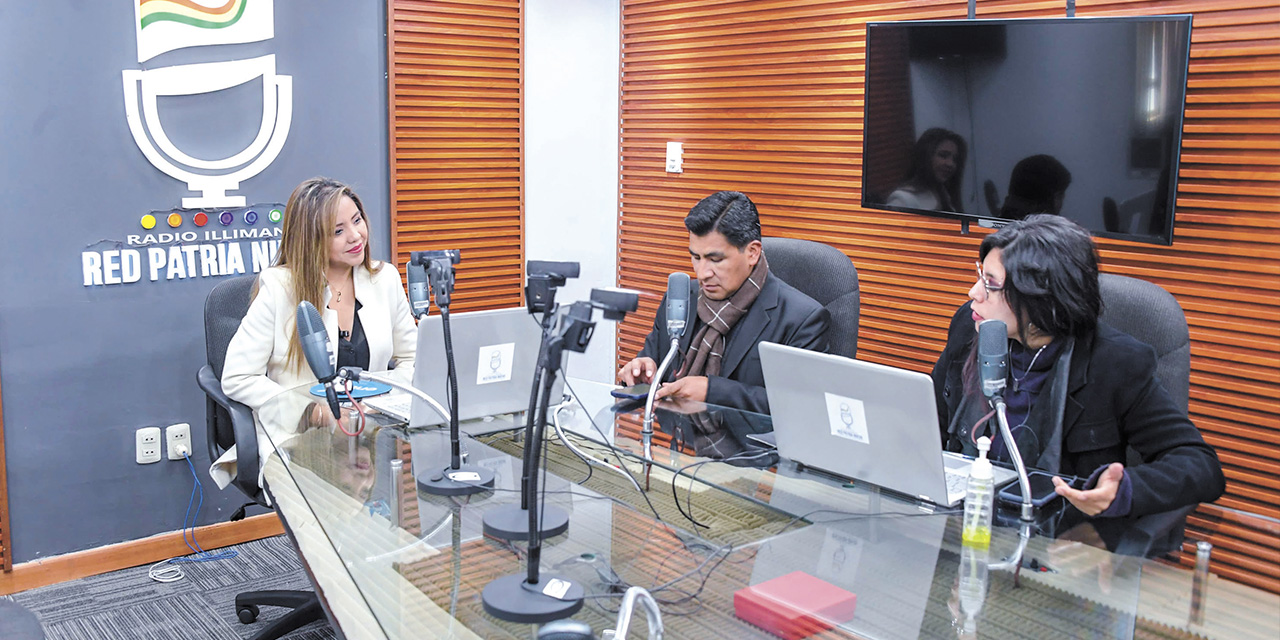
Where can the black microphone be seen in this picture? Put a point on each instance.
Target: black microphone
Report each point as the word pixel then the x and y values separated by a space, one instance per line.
pixel 993 356
pixel 677 304
pixel 419 298
pixel 315 348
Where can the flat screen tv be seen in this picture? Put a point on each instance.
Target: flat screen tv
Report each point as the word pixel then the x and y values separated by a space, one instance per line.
pixel 993 120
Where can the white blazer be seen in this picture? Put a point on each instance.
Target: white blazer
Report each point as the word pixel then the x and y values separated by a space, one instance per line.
pixel 255 371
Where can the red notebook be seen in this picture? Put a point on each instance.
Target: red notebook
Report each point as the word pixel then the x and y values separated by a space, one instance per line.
pixel 794 606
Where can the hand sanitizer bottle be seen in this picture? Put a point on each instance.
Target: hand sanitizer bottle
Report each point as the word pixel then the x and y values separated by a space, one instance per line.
pixel 978 500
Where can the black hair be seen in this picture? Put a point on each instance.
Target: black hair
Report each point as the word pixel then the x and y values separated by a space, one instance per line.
pixel 922 177
pixel 1034 185
pixel 1051 275
pixel 731 213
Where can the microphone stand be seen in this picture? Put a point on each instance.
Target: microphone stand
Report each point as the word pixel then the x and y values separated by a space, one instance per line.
pixel 1027 520
pixel 508 522
pixel 535 597
pixel 653 615
pixel 457 479
pixel 646 431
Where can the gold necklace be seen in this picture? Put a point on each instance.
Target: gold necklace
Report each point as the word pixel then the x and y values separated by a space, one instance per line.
pixel 337 292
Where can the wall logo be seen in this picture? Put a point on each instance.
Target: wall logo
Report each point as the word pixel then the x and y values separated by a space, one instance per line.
pixel 180 245
pixel 166 25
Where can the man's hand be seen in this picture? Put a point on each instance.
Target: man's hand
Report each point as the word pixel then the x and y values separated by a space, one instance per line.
pixel 687 388
pixel 1093 501
pixel 638 371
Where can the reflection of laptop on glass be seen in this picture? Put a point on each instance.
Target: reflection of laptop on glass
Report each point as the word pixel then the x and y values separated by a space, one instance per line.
pixel 864 421
pixel 494 352
pixel 888 562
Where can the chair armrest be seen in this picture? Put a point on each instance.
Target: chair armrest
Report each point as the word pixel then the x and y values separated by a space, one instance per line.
pixel 244 431
pixel 1155 534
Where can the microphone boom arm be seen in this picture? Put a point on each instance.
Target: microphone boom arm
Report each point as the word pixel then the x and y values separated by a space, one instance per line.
pixel 652 614
pixel 646 432
pixel 356 375
pixel 1023 482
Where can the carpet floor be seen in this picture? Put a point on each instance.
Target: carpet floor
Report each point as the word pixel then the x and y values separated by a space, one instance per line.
pixel 128 605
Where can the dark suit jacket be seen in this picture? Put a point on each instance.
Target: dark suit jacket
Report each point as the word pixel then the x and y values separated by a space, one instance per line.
pixel 780 314
pixel 1114 400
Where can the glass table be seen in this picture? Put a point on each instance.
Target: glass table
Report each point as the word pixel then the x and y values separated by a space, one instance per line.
pixel 722 514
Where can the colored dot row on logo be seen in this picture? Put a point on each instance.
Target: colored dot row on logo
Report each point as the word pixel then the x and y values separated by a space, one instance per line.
pixel 200 219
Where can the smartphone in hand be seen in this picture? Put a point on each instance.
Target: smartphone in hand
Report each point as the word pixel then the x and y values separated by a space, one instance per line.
pixel 633 392
pixel 1042 491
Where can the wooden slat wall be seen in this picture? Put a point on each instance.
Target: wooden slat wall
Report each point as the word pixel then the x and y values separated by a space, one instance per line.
pixel 456 141
pixel 766 96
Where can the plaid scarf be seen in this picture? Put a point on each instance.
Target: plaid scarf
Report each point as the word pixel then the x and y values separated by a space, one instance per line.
pixel 718 318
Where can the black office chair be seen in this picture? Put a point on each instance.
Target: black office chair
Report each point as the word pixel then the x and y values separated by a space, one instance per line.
pixel 1152 315
pixel 825 274
pixel 228 423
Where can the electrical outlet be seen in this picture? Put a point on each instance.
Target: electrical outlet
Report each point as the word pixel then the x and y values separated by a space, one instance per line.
pixel 178 440
pixel 147 441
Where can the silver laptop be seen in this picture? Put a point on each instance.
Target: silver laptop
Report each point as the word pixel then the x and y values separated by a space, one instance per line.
pixel 863 421
pixel 495 353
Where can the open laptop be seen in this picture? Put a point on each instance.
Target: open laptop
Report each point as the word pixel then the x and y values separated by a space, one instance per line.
pixel 863 421
pixel 495 353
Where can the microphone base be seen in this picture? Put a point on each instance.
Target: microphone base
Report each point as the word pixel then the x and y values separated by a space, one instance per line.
pixel 463 481
pixel 510 522
pixel 510 598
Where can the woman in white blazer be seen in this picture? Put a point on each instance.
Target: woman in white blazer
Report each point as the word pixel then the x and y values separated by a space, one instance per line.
pixel 323 258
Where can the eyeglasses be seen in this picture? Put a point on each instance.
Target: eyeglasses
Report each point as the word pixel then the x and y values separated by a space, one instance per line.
pixel 989 286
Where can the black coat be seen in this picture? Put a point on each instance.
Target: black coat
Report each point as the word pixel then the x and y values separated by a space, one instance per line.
pixel 1114 401
pixel 780 314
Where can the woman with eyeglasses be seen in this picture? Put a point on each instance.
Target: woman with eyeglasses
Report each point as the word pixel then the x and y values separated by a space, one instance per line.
pixel 1079 392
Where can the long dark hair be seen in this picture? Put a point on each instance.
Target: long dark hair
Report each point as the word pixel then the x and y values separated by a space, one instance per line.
pixel 1051 275
pixel 921 177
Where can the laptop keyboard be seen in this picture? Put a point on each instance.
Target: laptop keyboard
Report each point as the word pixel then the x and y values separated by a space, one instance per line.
pixel 395 405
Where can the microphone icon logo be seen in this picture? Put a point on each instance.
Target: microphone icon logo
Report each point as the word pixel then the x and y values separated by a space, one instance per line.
pixel 165 26
pixel 846 414
pixel 495 361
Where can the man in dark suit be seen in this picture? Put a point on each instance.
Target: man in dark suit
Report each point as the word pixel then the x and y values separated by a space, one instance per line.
pixel 739 306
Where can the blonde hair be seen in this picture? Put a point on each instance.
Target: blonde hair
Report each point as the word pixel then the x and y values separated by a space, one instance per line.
pixel 309 220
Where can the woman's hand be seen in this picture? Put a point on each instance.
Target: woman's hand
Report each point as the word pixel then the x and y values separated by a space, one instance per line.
pixel 1093 501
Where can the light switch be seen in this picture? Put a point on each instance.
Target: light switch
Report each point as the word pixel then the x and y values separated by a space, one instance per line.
pixel 675 160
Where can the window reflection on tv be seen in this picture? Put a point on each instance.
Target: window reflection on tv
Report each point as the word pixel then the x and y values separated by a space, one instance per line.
pixel 994 120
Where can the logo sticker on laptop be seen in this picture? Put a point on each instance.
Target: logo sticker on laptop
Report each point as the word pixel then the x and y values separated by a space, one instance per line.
pixel 848 418
pixel 495 363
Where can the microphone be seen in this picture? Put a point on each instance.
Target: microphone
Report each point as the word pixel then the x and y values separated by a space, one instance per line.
pixel 438 265
pixel 993 356
pixel 315 347
pixel 419 298
pixel 677 304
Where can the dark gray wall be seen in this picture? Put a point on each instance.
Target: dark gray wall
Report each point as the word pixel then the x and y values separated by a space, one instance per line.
pixel 84 367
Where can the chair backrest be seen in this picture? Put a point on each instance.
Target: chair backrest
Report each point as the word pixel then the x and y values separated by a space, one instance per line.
pixel 223 310
pixel 825 274
pixel 1150 314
